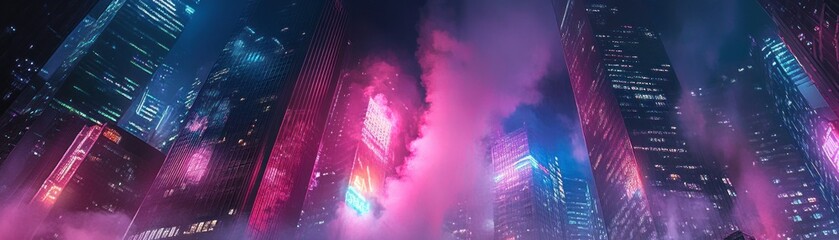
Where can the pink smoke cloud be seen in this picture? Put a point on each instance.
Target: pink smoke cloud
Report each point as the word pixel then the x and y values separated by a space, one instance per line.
pixel 477 67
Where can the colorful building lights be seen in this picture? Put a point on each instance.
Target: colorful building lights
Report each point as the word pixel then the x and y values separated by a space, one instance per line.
pixel 356 201
pixel 67 166
pixel 372 157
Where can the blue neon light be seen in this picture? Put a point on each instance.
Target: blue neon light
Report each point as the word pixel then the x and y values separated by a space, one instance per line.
pixel 356 201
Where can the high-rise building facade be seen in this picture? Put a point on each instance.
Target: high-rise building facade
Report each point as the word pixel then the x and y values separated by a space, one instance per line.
pixel 583 221
pixel 104 170
pixel 649 184
pixel 807 130
pixel 102 66
pixel 242 163
pixel 121 60
pixel 527 187
pixel 809 29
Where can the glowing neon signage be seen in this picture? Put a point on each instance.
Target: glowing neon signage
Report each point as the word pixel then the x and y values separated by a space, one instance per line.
pixel 112 135
pixel 356 201
pixel 371 157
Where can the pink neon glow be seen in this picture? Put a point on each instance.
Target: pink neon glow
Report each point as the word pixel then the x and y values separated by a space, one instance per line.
pixel 197 124
pixel 197 166
pixel 831 146
pixel 67 166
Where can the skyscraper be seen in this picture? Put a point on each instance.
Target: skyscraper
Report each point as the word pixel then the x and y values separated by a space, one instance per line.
pixel 104 170
pixel 649 184
pixel 104 64
pixel 242 163
pixel 807 130
pixel 121 60
pixel 528 189
pixel 809 29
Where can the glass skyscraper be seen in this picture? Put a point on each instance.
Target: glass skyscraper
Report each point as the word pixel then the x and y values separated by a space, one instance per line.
pixel 649 184
pixel 528 188
pixel 120 62
pixel 242 163
pixel 788 86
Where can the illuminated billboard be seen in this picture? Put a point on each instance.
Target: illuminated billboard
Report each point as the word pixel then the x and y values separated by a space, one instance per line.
pixel 371 159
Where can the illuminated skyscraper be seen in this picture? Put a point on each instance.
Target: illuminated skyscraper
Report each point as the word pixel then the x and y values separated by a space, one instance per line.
pixel 810 28
pixel 121 60
pixel 795 101
pixel 105 170
pixel 528 189
pixel 649 185
pixel 242 163
pixel 102 66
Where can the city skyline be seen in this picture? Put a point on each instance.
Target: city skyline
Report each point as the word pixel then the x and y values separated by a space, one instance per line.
pixel 422 119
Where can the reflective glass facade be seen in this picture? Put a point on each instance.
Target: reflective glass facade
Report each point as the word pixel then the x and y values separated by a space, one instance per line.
pixel 121 60
pixel 649 184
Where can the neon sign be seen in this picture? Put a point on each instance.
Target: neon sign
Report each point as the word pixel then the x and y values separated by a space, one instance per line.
pixel 371 158
pixel 356 201
pixel 112 135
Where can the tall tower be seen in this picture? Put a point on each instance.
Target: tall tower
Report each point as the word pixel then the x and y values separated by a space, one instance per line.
pixel 626 94
pixel 102 66
pixel 121 60
pixel 810 28
pixel 528 189
pixel 242 163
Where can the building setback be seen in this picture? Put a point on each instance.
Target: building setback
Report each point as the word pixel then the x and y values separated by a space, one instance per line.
pixel 649 184
pixel 241 165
